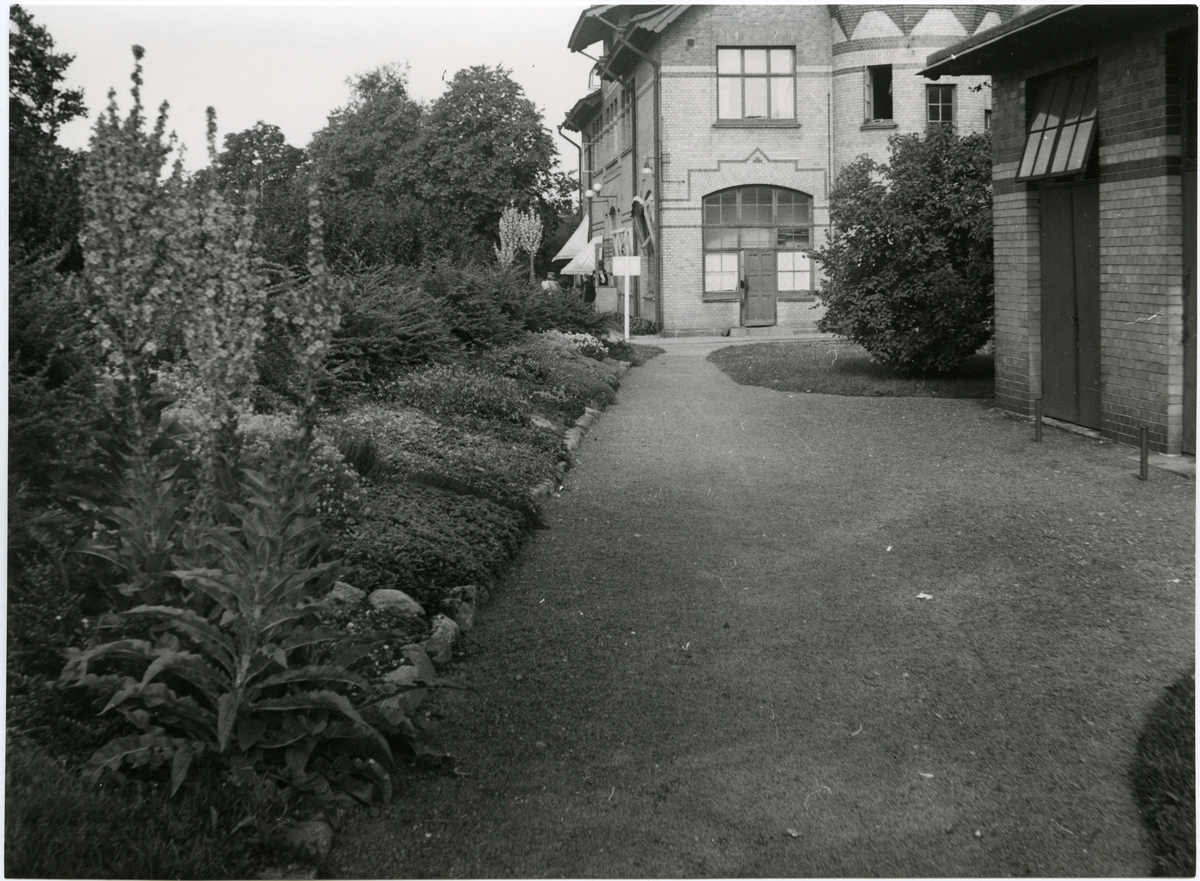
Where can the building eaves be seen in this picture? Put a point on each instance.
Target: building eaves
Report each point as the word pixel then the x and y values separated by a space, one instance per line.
pixel 582 111
pixel 1043 32
pixel 589 28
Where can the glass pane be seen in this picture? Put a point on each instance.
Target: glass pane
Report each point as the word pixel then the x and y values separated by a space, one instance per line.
pixel 756 237
pixel 756 98
pixel 786 281
pixel 1089 100
pixel 1079 150
pixel 1047 147
pixel 792 210
pixel 729 61
pixel 1063 149
pixel 1075 104
pixel 784 259
pixel 1041 110
pixel 720 237
pixel 756 60
pixel 729 97
pixel 792 237
pixel 781 61
pixel 1031 146
pixel 756 206
pixel 783 102
pixel 1057 101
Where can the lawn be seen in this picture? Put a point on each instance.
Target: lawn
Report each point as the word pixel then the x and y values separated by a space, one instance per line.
pixel 843 368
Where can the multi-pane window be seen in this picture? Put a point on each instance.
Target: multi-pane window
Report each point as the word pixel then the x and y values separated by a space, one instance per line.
pixel 879 92
pixel 940 103
pixel 756 83
pixel 737 219
pixel 1062 130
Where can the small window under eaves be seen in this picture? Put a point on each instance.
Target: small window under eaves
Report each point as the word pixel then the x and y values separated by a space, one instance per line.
pixel 1062 130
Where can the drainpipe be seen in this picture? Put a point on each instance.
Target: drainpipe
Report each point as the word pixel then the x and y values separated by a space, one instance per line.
pixel 579 151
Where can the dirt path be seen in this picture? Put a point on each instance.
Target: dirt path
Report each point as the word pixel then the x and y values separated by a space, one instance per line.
pixel 716 661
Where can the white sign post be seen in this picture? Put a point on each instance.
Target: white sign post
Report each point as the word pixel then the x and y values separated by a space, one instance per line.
pixel 627 267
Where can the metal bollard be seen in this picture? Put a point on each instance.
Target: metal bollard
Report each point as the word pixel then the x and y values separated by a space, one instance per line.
pixel 1037 421
pixel 1144 444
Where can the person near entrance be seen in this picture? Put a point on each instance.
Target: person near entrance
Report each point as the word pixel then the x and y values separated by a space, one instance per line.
pixel 550 285
pixel 589 289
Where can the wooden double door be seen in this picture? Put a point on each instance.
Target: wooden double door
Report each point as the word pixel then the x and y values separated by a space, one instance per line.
pixel 1070 263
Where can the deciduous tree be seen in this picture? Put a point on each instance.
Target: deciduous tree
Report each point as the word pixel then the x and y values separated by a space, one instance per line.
pixel 44 209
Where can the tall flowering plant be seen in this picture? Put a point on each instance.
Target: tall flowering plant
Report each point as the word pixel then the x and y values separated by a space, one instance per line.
pixel 219 574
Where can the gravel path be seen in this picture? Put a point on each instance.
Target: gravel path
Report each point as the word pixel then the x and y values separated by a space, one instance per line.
pixel 718 660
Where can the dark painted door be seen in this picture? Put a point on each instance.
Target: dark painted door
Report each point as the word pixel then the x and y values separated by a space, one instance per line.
pixel 760 288
pixel 1070 261
pixel 1189 310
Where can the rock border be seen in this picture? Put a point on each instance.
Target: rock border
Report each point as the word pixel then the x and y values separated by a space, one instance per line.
pixel 313 839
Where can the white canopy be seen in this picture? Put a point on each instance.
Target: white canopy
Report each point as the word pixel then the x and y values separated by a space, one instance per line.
pixel 583 263
pixel 575 243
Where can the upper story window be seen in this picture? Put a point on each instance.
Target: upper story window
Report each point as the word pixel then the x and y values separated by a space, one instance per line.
pixel 1062 129
pixel 879 93
pixel 939 101
pixel 756 83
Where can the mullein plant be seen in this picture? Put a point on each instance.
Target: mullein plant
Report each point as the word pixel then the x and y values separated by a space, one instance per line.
pixel 217 570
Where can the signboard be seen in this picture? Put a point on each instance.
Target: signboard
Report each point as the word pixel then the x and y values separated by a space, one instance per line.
pixel 627 265
pixel 607 248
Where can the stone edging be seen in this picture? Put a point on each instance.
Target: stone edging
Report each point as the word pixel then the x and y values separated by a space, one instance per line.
pixel 314 838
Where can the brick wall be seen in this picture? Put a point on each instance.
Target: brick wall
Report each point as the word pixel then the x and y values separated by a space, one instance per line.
pixel 1141 256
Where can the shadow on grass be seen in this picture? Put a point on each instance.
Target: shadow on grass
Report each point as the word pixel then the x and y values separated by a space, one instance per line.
pixel 842 368
pixel 1164 779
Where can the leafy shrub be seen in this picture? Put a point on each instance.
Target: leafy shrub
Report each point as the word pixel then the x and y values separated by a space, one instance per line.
pixel 456 390
pixel 55 826
pixel 909 265
pixel 231 674
pixel 555 375
pixel 1164 778
pixel 420 538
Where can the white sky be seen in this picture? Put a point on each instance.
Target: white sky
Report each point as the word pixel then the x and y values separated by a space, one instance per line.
pixel 287 63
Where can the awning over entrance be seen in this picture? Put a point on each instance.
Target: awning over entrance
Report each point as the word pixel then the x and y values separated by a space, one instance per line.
pixel 583 263
pixel 575 243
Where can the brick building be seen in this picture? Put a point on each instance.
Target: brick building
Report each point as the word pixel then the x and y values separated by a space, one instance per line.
pixel 712 134
pixel 1094 151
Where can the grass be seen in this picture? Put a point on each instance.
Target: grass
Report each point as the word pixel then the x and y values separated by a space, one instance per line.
pixel 842 368
pixel 1164 778
pixel 55 826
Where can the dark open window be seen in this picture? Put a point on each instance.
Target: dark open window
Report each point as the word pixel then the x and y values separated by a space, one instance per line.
pixel 1062 129
pixel 879 92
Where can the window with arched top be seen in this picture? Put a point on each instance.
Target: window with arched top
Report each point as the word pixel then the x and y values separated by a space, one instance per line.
pixel 757 217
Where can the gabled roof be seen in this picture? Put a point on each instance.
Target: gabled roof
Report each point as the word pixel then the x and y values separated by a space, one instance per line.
pixel 639 25
pixel 1046 31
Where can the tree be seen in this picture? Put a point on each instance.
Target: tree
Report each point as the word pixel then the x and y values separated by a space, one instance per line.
pixel 909 264
pixel 261 162
pixel 484 148
pixel 44 208
pixel 365 158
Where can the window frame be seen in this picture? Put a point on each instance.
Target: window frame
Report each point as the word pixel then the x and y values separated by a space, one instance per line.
pixel 735 223
pixel 950 104
pixel 1048 120
pixel 873 71
pixel 769 77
